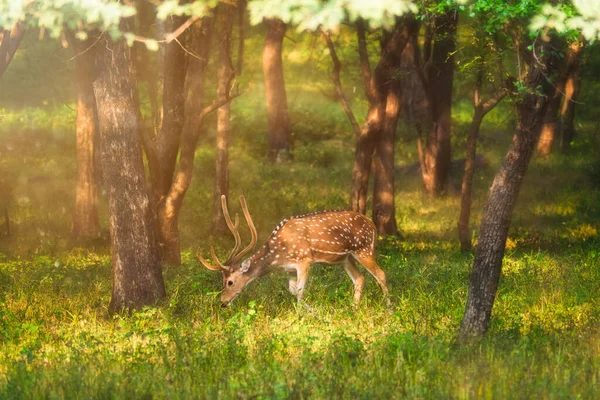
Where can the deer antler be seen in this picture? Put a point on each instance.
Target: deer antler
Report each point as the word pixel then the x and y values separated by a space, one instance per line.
pixel 252 231
pixel 218 267
pixel 233 227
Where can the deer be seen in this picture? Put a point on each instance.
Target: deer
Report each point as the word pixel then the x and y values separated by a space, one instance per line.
pixel 331 237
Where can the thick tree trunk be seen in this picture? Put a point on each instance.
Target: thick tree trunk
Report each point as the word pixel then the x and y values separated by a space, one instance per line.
pixel 170 207
pixel 277 109
pixel 173 107
pixel 572 86
pixel 437 152
pixel 497 213
pixel 375 121
pixel 85 213
pixel 9 43
pixel 384 210
pixel 225 15
pixel 137 274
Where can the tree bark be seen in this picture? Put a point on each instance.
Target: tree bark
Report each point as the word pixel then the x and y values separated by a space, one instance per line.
pixel 85 213
pixel 9 43
pixel 497 213
pixel 226 73
pixel 440 77
pixel 384 210
pixel 572 86
pixel 169 209
pixel 277 109
pixel 137 274
pixel 168 140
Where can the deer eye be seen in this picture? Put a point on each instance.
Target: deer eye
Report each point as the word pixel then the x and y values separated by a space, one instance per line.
pixel 229 283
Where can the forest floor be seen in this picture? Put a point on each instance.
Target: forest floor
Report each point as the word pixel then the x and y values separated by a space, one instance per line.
pixel 57 339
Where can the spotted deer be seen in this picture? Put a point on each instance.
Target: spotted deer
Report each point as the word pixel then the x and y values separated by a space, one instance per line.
pixel 332 237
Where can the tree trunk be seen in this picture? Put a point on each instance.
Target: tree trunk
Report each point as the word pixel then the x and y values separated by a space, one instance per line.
pixel 497 213
pixel 277 109
pixel 572 86
pixel 365 65
pixel 226 73
pixel 147 66
pixel 437 152
pixel 170 207
pixel 9 43
pixel 384 209
pixel 375 120
pixel 137 274
pixel 85 213
pixel 464 234
pixel 169 138
pixel 242 6
pixel 549 126
pixel 481 109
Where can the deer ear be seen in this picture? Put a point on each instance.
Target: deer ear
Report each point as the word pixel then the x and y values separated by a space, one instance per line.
pixel 245 266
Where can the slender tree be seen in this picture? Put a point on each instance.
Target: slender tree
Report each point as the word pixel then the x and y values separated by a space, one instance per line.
pixel 226 72
pixel 137 274
pixel 378 90
pixel 438 78
pixel 277 109
pixel 85 213
pixel 147 65
pixel 497 213
pixel 168 140
pixel 195 111
pixel 481 110
pixel 385 99
pixel 241 25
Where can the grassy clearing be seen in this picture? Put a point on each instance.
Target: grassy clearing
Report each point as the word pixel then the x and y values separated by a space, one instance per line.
pixel 57 339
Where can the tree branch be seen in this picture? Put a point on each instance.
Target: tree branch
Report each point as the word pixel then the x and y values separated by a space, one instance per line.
pixel 335 77
pixel 491 103
pixel 183 177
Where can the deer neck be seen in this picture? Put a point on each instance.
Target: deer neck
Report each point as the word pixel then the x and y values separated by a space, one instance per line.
pixel 261 262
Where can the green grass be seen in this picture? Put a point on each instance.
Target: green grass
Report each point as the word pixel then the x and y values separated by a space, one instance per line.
pixel 57 339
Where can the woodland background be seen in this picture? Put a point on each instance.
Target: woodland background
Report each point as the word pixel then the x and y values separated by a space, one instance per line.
pixel 63 335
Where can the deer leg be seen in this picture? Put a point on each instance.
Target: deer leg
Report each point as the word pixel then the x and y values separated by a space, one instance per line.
pixel 302 274
pixel 356 277
pixel 293 285
pixel 368 261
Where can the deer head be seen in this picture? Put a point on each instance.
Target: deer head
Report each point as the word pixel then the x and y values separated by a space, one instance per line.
pixel 235 273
